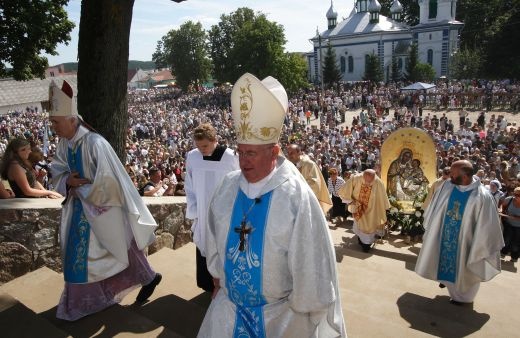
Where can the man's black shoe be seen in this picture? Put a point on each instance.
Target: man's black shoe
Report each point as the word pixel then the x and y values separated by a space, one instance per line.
pixel 147 290
pixel 442 286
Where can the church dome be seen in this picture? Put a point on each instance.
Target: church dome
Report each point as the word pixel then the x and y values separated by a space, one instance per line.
pixel 374 6
pixel 331 13
pixel 396 7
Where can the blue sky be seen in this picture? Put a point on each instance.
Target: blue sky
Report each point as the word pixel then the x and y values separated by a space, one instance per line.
pixel 152 19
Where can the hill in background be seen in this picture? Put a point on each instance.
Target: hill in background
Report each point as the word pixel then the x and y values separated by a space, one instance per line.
pixel 132 64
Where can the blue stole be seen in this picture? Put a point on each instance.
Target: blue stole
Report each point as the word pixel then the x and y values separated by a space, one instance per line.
pixel 447 270
pixel 75 269
pixel 243 268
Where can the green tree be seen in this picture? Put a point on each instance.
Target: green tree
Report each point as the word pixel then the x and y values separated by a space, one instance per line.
pixel 331 72
pixel 373 71
pixel 245 41
pixel 425 72
pixel 28 28
pixel 492 27
pixel 466 64
pixel 291 70
pixel 413 61
pixel 185 50
pixel 396 74
pixel 159 57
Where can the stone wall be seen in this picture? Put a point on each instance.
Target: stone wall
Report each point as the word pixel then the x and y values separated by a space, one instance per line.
pixel 29 232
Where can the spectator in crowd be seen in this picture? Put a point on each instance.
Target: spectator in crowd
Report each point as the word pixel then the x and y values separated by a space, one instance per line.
pixel 206 165
pixel 105 225
pixel 158 187
pixel 511 223
pixel 339 208
pixel 462 242
pixel 16 168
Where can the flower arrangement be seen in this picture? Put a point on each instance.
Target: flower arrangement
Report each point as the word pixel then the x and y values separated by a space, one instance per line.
pixel 410 223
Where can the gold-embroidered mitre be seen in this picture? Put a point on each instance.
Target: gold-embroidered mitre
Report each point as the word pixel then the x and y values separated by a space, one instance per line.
pixel 259 109
pixel 62 100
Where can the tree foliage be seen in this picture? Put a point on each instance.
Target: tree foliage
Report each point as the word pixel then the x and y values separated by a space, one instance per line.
pixel 373 71
pixel 245 41
pixel 413 61
pixel 492 27
pixel 331 72
pixel 425 72
pixel 291 72
pixel 28 28
pixel 466 64
pixel 185 50
pixel 396 74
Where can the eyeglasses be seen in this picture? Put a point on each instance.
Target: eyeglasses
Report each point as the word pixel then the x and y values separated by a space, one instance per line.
pixel 251 153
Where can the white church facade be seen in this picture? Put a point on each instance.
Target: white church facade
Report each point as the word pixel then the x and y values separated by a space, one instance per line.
pixel 365 31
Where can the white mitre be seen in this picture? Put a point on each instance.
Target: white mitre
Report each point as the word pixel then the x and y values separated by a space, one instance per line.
pixel 259 109
pixel 62 100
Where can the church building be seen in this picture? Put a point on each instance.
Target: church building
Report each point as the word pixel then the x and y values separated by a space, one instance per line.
pixel 365 31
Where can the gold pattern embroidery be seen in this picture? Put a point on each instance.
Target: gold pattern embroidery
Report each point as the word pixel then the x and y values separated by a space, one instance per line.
pixel 246 130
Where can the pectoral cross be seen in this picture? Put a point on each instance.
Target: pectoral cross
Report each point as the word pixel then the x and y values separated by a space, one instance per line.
pixel 243 230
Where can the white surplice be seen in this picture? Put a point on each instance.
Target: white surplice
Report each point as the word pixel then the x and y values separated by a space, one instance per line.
pixel 202 176
pixel 299 279
pixel 479 244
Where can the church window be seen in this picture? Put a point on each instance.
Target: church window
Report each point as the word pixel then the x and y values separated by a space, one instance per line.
pixel 367 57
pixel 430 36
pixel 350 64
pixel 432 10
pixel 430 57
pixel 400 63
pixel 342 63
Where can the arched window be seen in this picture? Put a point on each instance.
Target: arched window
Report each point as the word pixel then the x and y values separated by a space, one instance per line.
pixel 400 63
pixel 367 57
pixel 350 64
pixel 432 10
pixel 342 64
pixel 430 57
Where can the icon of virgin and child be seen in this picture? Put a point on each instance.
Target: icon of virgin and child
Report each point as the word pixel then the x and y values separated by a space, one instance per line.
pixel 405 178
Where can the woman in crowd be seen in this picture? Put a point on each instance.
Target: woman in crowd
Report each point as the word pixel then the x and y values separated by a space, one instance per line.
pixel 16 168
pixel 338 207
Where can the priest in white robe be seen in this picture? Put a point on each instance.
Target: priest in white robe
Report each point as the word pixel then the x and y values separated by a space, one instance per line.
pixel 268 245
pixel 462 242
pixel 105 224
pixel 206 166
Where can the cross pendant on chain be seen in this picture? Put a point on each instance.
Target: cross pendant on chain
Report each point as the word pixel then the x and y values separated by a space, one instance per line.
pixel 243 230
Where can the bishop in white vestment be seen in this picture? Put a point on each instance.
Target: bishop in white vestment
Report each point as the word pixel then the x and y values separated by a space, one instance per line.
pixel 268 245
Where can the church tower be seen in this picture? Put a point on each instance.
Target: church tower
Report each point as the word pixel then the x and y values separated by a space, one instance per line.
pixel 431 11
pixel 374 7
pixel 332 17
pixel 396 10
pixel 437 34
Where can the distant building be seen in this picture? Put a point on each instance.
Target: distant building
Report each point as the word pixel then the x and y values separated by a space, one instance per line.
pixel 365 31
pixel 138 78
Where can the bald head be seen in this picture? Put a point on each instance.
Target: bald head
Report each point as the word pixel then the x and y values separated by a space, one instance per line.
pixel 293 153
pixel 369 175
pixel 461 172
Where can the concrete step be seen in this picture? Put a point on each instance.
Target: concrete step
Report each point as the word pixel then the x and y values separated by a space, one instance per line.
pixel 18 321
pixel 177 302
pixel 39 290
pixel 383 296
